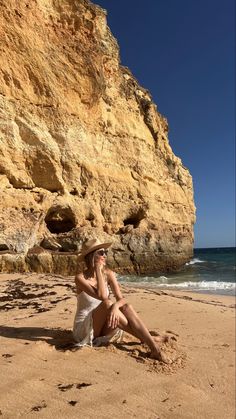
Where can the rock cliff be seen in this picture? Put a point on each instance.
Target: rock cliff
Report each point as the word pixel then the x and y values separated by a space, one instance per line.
pixel 84 151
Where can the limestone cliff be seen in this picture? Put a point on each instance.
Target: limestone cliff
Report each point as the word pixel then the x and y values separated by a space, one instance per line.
pixel 83 150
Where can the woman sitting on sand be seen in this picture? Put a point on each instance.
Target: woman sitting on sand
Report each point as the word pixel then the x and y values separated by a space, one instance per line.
pixel 98 319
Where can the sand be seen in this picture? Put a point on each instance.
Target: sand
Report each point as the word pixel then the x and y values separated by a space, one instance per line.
pixel 40 378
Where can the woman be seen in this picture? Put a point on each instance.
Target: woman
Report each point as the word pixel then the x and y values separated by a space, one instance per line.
pixel 98 319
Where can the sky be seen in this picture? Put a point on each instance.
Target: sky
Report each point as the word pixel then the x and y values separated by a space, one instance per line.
pixel 183 52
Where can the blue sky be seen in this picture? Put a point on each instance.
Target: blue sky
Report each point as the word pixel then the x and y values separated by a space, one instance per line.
pixel 183 52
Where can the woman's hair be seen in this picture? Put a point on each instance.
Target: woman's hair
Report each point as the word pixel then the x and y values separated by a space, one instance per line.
pixel 89 259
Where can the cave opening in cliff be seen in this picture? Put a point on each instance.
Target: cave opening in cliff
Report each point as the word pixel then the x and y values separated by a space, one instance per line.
pixel 60 219
pixel 135 218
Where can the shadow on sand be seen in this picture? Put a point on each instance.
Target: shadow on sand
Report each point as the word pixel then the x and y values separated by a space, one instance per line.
pixel 61 339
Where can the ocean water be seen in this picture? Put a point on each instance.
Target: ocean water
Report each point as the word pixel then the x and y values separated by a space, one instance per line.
pixel 210 271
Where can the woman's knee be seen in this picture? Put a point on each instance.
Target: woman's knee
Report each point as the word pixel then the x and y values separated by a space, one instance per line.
pixel 129 311
pixel 106 303
pixel 122 322
pixel 126 307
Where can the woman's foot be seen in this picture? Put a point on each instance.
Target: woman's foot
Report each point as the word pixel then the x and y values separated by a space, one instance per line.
pixel 160 356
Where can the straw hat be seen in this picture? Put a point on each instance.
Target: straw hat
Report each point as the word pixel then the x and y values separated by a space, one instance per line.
pixel 90 246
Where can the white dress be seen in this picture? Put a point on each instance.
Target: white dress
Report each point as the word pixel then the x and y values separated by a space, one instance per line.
pixel 83 323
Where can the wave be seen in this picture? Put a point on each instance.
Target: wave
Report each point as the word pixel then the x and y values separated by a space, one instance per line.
pixel 162 282
pixel 194 261
pixel 132 279
pixel 202 285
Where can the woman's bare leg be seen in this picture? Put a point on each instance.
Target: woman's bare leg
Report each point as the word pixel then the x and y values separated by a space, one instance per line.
pixel 124 325
pixel 132 324
pixel 139 330
pixel 129 322
pixel 100 317
pixel 100 321
pixel 157 337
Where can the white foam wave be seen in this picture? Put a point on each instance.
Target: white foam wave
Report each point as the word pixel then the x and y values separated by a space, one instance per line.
pixel 163 279
pixel 203 285
pixel 194 261
pixel 162 282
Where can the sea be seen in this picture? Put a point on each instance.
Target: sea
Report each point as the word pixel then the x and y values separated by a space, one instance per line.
pixel 211 270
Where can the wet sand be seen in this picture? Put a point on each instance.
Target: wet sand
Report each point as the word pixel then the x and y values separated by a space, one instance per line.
pixel 40 377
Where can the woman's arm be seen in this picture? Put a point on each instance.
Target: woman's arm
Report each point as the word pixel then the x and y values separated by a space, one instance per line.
pixel 113 316
pixel 102 291
pixel 112 281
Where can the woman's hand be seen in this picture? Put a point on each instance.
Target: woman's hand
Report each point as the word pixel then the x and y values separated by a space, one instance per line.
pixel 113 317
pixel 99 261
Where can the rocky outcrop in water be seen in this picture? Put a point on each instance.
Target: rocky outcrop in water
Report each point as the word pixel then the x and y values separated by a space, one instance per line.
pixel 84 151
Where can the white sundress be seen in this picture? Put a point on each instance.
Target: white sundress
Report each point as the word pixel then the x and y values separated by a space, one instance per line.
pixel 83 323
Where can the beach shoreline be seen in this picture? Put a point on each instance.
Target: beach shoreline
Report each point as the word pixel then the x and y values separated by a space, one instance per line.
pixel 171 289
pixel 119 380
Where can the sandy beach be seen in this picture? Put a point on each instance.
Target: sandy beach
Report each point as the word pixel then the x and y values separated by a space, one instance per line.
pixel 41 378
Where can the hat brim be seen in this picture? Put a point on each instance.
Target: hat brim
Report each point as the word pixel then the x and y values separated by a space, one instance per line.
pixel 81 256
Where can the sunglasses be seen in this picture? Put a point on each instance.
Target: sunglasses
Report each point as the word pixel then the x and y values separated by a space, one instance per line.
pixel 102 252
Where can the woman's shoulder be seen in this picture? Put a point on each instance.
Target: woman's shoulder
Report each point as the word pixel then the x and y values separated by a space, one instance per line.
pixel 108 270
pixel 79 276
pixel 109 274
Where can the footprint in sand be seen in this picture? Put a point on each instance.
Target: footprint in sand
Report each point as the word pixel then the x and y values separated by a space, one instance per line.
pixel 72 402
pixel 81 385
pixel 172 333
pixel 39 407
pixel 66 387
pixel 7 355
pixel 163 338
pixel 171 409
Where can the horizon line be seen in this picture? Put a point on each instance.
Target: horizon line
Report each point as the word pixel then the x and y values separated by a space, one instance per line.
pixel 215 247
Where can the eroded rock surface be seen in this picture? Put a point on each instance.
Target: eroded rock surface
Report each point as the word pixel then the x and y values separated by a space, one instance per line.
pixel 83 150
